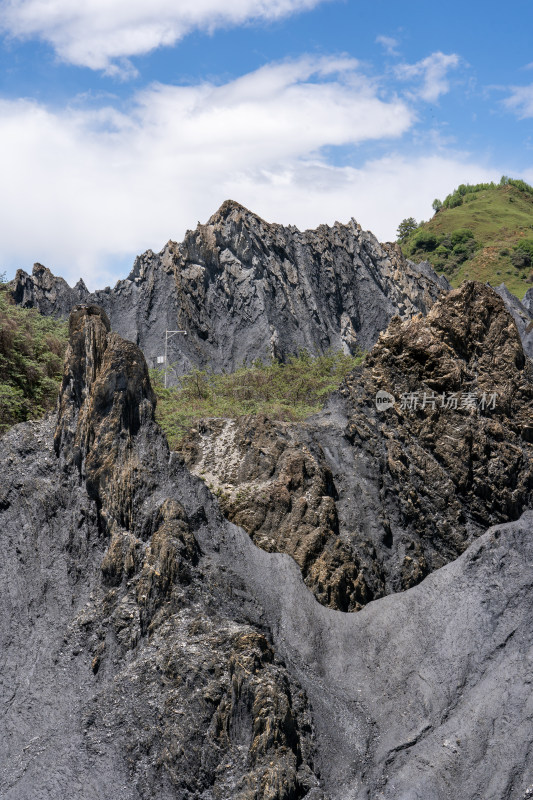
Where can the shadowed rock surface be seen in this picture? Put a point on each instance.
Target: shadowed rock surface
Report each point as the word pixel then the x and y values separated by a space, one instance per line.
pixel 150 649
pixel 522 313
pixel 244 289
pixel 369 502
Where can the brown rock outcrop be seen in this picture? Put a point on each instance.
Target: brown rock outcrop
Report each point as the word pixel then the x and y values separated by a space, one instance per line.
pixel 370 501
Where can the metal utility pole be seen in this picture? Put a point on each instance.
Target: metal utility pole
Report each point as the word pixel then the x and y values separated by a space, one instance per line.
pixel 169 335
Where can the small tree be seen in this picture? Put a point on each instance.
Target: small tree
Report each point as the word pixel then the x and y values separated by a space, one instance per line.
pixel 405 228
pixel 436 205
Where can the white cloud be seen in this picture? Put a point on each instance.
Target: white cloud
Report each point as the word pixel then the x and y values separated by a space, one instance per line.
pixel 83 188
pixel 389 43
pixel 521 101
pixel 433 71
pixel 378 195
pixel 94 33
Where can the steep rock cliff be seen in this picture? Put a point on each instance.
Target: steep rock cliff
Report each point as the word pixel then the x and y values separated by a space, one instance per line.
pixel 244 289
pixel 369 501
pixel 126 672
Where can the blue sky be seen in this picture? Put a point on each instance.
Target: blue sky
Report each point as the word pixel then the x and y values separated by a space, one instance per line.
pixel 124 122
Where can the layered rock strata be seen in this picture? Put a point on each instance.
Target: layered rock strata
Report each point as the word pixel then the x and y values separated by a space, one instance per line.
pixel 369 500
pixel 243 289
pixel 150 649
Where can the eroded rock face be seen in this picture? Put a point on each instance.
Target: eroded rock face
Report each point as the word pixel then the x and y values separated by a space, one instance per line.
pixel 150 649
pixel 244 289
pixel 522 313
pixel 158 682
pixel 369 502
pixel 274 480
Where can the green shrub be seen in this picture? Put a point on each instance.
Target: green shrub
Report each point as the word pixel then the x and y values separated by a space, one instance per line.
pixel 526 245
pixel 520 258
pixel 453 200
pixel 461 235
pixel 289 391
pixel 424 240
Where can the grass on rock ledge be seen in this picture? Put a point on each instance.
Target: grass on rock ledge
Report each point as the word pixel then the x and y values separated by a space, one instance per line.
pixel 287 392
pixel 32 348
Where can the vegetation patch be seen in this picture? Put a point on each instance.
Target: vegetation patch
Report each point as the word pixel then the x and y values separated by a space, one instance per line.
pixel 290 391
pixel 479 232
pixel 32 348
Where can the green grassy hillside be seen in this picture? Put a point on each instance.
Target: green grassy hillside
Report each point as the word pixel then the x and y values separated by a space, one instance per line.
pixel 482 232
pixel 32 348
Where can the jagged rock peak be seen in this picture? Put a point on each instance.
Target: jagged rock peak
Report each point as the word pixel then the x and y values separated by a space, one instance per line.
pixel 43 290
pixel 244 288
pixel 232 208
pixel 105 396
pixel 471 323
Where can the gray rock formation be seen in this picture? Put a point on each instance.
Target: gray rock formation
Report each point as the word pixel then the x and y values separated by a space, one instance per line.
pixel 128 670
pixel 522 313
pixel 369 501
pixel 527 301
pixel 245 289
pixel 150 649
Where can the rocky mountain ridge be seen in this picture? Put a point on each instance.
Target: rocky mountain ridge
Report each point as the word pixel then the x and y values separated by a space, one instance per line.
pixel 370 501
pixel 172 624
pixel 244 289
pixel 149 648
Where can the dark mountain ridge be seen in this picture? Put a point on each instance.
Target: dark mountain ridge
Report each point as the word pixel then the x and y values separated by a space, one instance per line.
pixel 158 642
pixel 244 289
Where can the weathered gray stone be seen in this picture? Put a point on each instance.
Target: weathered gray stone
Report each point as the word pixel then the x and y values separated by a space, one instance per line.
pixel 150 649
pixel 522 313
pixel 245 289
pixel 527 300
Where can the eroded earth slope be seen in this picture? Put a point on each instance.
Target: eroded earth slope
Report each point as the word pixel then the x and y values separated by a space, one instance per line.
pixel 150 649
